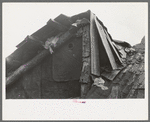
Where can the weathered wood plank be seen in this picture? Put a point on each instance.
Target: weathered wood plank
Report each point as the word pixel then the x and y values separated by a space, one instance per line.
pixel 85 55
pixel 67 61
pixel 31 82
pixel 56 90
pixel 22 69
pixel 110 75
pixel 106 45
pixel 57 25
pixel 86 59
pixel 95 61
pixel 115 51
pixel 115 92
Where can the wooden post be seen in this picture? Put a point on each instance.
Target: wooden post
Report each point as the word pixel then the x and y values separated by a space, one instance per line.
pixel 86 69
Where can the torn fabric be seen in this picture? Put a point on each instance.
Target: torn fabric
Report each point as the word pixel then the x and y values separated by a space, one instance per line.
pixel 51 42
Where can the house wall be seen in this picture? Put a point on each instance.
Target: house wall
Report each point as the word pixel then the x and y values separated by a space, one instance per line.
pixel 39 82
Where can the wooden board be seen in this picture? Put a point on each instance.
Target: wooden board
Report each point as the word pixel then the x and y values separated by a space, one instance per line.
pixel 86 56
pixel 50 89
pixel 106 45
pixel 110 75
pixel 32 83
pixel 114 49
pixel 86 59
pixel 95 62
pixel 67 61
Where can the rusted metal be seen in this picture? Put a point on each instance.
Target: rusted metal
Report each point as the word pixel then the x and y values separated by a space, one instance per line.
pixel 85 87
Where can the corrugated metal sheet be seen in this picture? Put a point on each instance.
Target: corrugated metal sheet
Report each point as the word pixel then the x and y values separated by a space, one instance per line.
pixel 95 62
pixel 106 45
pixel 103 52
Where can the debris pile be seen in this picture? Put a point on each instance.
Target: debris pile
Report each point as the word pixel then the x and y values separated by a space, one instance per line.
pixel 130 82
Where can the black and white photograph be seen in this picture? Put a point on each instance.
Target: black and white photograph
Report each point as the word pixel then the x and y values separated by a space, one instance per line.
pixel 75 54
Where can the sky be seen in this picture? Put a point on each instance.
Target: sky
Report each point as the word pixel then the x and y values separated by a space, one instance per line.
pixel 124 21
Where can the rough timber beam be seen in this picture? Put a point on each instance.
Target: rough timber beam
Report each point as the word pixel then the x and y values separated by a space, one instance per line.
pixel 86 59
